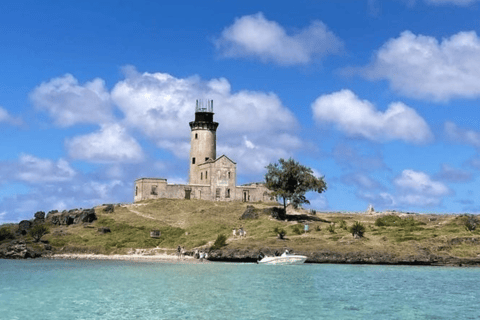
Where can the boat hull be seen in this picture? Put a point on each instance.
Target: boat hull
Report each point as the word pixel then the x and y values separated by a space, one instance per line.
pixel 288 260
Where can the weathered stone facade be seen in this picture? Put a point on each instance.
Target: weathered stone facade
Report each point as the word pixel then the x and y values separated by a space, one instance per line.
pixel 210 178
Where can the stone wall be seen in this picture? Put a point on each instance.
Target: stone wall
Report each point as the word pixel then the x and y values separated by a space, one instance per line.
pixel 158 188
pixel 253 193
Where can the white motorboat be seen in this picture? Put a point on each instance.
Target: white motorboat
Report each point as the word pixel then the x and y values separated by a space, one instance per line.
pixel 284 259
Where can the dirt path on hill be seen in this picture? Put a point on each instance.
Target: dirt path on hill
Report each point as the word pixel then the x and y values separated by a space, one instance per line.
pixel 141 214
pixel 179 224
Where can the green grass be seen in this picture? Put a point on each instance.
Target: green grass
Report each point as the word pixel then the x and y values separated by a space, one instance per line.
pixel 197 223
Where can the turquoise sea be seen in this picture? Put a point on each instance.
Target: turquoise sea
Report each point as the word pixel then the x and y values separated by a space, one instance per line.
pixel 66 289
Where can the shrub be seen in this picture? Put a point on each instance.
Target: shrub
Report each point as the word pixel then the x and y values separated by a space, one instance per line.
pixel 297 229
pixel 278 213
pixel 342 224
pixel 6 233
pixel 317 228
pixel 312 211
pixel 471 222
pixel 331 228
pixel 109 208
pixel 281 233
pixel 357 229
pixel 38 231
pixel 221 241
pixel 395 221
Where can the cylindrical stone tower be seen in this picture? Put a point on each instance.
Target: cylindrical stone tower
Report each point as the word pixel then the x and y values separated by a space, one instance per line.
pixel 203 140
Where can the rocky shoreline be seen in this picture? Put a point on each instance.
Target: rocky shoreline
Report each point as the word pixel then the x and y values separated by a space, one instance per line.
pixel 19 249
pixel 325 256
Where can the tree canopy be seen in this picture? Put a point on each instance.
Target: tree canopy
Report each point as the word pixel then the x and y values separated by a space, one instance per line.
pixel 290 180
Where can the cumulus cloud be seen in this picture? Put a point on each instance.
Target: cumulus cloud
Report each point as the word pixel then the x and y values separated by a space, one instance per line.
pixel 360 118
pixel 69 102
pixel 412 189
pixel 255 36
pixel 422 67
pixel 419 189
pixel 420 182
pixel 7 118
pixel 111 144
pixel 35 170
pixel 253 157
pixel 460 135
pixel 161 106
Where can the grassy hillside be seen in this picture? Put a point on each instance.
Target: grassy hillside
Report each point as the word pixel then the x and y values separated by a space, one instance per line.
pixel 196 223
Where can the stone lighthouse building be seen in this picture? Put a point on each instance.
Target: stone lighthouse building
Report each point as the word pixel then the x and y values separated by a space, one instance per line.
pixel 210 178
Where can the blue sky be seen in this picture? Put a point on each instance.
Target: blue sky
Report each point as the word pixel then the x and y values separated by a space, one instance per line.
pixel 381 97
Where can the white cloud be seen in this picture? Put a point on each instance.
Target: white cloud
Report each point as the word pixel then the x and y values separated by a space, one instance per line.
pixel 7 118
pixel 161 106
pixel 459 135
pixel 111 144
pixel 69 103
pixel 413 189
pixel 360 118
pixel 418 189
pixel 420 182
pixel 2 217
pixel 420 66
pixel 252 158
pixel 35 170
pixel 255 36
pixel 317 201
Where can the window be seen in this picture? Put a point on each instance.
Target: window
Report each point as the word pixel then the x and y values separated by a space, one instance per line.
pixel 201 175
pixel 206 174
pixel 217 193
pixel 154 190
pixel 193 160
pixel 228 174
pixel 206 158
pixel 227 193
pixel 136 191
pixel 196 135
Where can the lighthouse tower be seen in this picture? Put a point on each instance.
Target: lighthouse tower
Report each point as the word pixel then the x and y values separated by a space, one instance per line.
pixel 203 140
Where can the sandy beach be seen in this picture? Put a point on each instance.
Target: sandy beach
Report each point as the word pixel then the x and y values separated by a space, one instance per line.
pixel 128 257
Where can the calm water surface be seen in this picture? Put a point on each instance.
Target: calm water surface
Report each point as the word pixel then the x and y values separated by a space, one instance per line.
pixel 49 289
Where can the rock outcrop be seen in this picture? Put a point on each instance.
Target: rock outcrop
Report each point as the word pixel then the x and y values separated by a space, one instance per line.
pixel 24 226
pixel 249 214
pixel 39 217
pixel 74 216
pixel 109 208
pixel 17 249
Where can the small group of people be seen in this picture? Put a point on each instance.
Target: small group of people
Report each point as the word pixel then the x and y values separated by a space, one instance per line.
pixel 200 255
pixel 180 252
pixel 240 232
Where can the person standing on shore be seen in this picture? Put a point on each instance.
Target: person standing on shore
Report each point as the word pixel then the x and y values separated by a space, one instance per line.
pixel 179 252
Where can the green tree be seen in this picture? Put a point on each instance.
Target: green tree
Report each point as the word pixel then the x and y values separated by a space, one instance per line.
pixel 290 180
pixel 38 231
pixel 357 229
